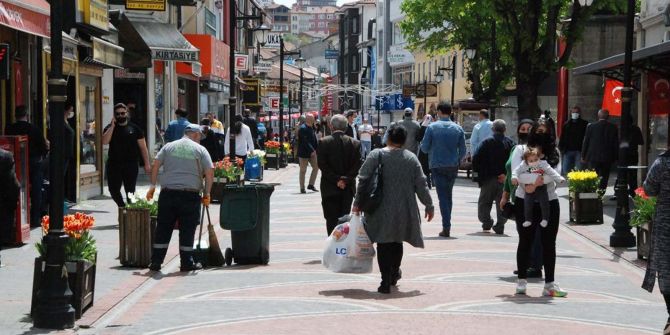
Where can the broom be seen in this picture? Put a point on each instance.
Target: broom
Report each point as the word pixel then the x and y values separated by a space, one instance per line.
pixel 215 256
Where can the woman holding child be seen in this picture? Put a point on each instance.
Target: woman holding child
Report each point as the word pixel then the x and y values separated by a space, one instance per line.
pixel 540 146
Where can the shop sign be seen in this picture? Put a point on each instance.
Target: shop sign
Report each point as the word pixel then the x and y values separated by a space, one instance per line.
pixel 241 62
pixel 4 61
pixel 34 22
pixel 196 69
pixel 149 5
pixel 272 41
pixel 215 86
pixel 95 14
pixel 274 103
pixel 399 56
pixel 263 67
pixel 430 90
pixel 126 74
pixel 332 54
pixel 107 53
pixel 251 92
pixel 69 47
pixel 175 55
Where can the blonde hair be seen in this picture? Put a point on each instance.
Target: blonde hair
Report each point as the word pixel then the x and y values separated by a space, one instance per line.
pixel 530 152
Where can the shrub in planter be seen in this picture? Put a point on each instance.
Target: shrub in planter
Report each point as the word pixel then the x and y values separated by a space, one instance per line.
pixel 642 218
pixel 80 259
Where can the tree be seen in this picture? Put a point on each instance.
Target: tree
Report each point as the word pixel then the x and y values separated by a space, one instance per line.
pixel 526 38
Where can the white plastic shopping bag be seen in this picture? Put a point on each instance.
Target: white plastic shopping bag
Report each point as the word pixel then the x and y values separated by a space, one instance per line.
pixel 359 245
pixel 335 253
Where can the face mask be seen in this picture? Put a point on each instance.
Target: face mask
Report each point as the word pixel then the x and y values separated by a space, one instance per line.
pixel 70 115
pixel 523 137
pixel 575 116
pixel 121 119
pixel 534 164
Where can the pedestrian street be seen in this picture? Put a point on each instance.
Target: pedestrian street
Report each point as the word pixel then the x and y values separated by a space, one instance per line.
pixel 458 285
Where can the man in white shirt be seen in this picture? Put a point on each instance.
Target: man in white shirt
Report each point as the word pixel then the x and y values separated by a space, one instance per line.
pixel 244 142
pixel 365 132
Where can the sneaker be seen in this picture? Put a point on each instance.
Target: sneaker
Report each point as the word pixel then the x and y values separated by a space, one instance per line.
pixel 544 223
pixel 444 233
pixel 553 290
pixel 521 286
pixel 192 267
pixel 526 224
pixel 154 267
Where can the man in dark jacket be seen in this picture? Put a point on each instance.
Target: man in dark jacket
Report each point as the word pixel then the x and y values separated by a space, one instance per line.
pixel 9 196
pixel 37 146
pixel 351 128
pixel 339 160
pixel 307 145
pixel 601 145
pixel 253 126
pixel 210 141
pixel 489 163
pixel 572 138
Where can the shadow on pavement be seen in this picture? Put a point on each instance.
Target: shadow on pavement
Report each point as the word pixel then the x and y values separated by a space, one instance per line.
pixel 314 262
pixel 513 279
pixel 523 299
pixel 107 227
pixel 481 233
pixel 360 294
pixel 437 238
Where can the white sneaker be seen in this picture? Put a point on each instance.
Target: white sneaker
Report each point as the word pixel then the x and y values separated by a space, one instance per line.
pixel 521 286
pixel 544 223
pixel 553 290
pixel 526 224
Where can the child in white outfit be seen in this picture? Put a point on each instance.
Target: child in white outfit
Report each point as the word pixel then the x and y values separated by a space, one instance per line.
pixel 533 166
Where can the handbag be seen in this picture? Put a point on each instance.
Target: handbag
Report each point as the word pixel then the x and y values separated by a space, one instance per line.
pixel 372 189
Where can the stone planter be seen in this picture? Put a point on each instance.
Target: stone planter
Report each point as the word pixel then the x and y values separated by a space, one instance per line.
pixel 136 236
pixel 81 279
pixel 644 241
pixel 586 208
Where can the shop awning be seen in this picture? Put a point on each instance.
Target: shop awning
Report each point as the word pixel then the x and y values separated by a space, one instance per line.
pixel 655 58
pixel 28 16
pixel 145 40
pixel 104 54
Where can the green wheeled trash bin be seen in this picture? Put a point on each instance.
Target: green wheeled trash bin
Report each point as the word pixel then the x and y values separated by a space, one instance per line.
pixel 245 211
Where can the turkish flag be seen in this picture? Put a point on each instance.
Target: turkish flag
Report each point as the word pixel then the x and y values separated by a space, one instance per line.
pixel 658 96
pixel 612 97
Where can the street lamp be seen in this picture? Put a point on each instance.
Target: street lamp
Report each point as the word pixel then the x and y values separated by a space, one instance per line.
pixel 301 63
pixel 258 32
pixel 439 76
pixel 622 236
pixel 53 309
pixel 283 53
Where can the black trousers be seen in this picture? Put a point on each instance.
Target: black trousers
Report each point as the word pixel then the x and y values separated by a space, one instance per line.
pixel 527 237
pixel 389 257
pixel 603 170
pixel 335 207
pixel 121 174
pixel 173 206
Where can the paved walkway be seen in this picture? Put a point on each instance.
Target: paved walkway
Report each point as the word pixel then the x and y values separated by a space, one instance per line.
pixel 461 285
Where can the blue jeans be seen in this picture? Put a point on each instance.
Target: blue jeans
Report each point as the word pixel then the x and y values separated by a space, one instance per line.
pixel 444 179
pixel 571 160
pixel 366 147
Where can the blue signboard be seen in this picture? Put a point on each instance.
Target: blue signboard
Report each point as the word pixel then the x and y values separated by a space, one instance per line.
pixel 332 54
pixel 394 102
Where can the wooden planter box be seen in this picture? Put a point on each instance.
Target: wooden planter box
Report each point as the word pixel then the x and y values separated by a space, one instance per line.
pixel 81 279
pixel 586 208
pixel 644 241
pixel 136 237
pixel 217 189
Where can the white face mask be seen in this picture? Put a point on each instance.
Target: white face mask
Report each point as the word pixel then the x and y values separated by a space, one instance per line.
pixel 575 116
pixel 70 115
pixel 534 164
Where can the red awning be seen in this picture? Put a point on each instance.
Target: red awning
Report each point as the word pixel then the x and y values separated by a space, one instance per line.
pixel 28 16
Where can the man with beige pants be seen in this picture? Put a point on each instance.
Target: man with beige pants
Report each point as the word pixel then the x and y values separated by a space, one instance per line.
pixel 307 145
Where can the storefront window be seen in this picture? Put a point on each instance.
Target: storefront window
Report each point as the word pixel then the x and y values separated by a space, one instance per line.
pixel 88 161
pixel 658 126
